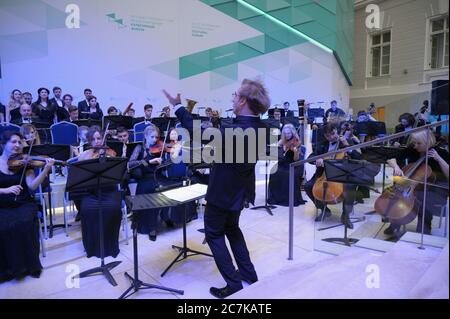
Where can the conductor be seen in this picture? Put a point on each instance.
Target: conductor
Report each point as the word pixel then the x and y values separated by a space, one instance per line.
pixel 231 186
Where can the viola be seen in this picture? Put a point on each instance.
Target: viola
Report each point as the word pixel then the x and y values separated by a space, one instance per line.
pixel 19 161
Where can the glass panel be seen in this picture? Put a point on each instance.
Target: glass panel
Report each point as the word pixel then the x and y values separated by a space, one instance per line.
pixel 446 49
pixel 437 50
pixel 437 25
pixel 387 37
pixel 376 55
pixel 376 39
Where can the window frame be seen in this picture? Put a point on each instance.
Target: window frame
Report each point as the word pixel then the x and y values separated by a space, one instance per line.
pixel 429 39
pixel 381 45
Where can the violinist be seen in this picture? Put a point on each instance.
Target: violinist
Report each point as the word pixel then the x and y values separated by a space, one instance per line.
pixel 142 166
pixel 438 163
pixel 289 151
pixel 124 137
pixel 19 224
pixel 176 172
pixel 88 202
pixel 96 141
pixel 30 133
pixel 332 142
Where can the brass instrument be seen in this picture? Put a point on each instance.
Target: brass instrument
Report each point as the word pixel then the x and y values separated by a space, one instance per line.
pixel 190 105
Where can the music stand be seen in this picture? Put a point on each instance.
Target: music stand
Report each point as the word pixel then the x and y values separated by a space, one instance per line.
pixel 271 124
pixel 350 172
pixel 95 174
pixel 43 129
pixel 185 249
pixel 88 122
pixel 116 121
pixel 58 152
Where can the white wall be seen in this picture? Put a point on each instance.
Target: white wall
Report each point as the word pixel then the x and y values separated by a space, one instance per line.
pixel 120 64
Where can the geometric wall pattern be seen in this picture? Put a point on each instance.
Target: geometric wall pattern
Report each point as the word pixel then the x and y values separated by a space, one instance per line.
pixel 328 22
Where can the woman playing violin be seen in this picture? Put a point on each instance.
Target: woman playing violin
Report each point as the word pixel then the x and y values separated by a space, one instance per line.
pixel 438 163
pixel 96 141
pixel 30 134
pixel 145 159
pixel 88 202
pixel 289 151
pixel 19 224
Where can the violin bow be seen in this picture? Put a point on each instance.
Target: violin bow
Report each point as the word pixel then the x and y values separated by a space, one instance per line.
pixel 165 138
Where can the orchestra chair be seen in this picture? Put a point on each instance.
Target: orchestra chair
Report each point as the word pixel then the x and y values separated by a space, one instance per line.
pixel 41 235
pixel 9 127
pixel 64 133
pixel 139 130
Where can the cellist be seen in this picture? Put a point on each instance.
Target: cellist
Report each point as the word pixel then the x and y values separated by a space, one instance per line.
pixel 332 142
pixel 438 162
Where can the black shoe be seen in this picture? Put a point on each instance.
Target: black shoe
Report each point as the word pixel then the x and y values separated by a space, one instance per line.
pixel 346 221
pixel 320 217
pixel 152 236
pixel 391 230
pixel 222 292
pixel 170 224
pixel 248 281
pixel 36 274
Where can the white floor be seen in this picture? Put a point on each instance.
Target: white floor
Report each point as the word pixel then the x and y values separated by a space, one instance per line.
pixel 311 274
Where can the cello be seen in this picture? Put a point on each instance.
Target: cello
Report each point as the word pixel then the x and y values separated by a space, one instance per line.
pixel 329 192
pixel 398 202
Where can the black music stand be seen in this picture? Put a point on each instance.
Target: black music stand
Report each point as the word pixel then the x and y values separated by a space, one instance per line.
pixel 95 174
pixel 271 124
pixel 116 121
pixel 185 249
pixel 88 122
pixel 352 172
pixel 58 152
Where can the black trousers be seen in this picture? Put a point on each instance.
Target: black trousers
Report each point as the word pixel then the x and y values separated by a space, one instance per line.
pixel 218 224
pixel 349 196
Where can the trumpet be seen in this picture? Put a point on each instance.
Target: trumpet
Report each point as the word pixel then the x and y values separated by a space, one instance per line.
pixel 190 105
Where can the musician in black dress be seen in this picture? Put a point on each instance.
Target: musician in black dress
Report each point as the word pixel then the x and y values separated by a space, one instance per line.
pixel 438 162
pixel 332 142
pixel 289 151
pixel 143 164
pixel 231 186
pixel 89 205
pixel 19 224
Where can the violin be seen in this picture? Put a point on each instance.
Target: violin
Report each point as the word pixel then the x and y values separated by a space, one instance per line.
pixel 19 161
pixel 158 149
pixel 102 151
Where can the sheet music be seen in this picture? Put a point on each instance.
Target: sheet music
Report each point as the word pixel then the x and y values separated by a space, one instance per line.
pixel 184 194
